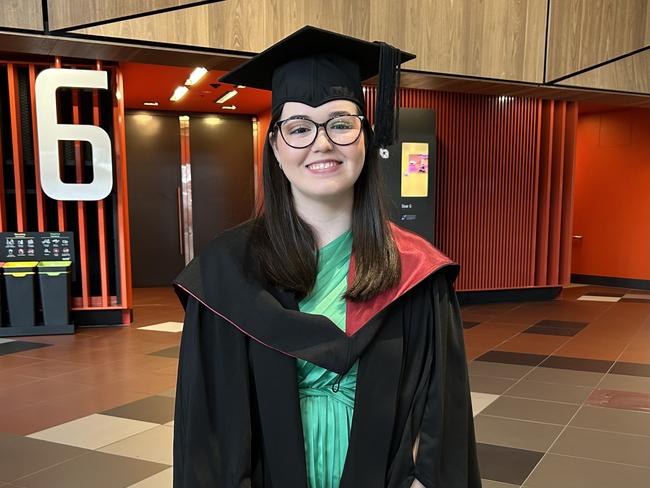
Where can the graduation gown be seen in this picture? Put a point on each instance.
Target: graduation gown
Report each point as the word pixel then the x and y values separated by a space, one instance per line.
pixel 237 420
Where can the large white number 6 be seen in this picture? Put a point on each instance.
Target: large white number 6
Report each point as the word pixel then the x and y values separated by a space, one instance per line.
pixel 50 132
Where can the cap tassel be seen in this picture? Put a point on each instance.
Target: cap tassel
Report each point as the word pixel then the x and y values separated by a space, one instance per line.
pixel 386 114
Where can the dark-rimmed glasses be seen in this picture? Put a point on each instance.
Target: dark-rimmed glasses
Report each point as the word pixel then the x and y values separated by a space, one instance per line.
pixel 300 132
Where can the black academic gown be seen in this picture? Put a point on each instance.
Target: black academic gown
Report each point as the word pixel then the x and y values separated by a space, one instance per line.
pixel 237 419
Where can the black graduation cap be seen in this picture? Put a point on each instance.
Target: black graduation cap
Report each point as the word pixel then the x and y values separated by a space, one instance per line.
pixel 314 66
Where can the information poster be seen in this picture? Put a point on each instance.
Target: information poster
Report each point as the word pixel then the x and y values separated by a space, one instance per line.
pixel 415 169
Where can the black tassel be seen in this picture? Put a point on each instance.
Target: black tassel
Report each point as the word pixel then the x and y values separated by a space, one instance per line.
pixel 387 111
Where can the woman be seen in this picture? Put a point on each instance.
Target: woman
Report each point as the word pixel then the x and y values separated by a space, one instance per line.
pixel 322 345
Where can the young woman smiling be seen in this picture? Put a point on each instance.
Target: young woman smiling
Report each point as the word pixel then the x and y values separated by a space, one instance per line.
pixel 322 345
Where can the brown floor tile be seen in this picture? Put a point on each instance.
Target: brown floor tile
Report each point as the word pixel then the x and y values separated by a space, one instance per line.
pixel 7 363
pixel 10 379
pixel 22 456
pixel 613 420
pixel 605 446
pixel 533 343
pixel 47 369
pixel 620 399
pixel 37 392
pixel 534 410
pixel 589 352
pixel 506 464
pixel 571 472
pixel 24 420
pixel 95 469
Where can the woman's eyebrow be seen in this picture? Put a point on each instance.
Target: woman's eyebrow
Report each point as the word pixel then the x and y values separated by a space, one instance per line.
pixel 340 112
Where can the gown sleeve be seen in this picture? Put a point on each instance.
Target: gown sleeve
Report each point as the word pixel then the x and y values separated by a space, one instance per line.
pixel 446 453
pixel 212 427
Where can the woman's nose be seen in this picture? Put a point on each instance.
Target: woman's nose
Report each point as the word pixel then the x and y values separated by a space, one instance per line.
pixel 322 142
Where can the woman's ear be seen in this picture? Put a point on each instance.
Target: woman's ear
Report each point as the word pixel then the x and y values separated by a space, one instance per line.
pixel 273 141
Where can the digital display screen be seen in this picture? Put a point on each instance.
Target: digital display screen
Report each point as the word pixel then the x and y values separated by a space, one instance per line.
pixel 415 169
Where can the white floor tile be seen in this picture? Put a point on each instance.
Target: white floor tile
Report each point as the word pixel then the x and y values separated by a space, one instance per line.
pixel 481 400
pixel 165 327
pixel 163 479
pixel 93 431
pixel 596 298
pixel 152 445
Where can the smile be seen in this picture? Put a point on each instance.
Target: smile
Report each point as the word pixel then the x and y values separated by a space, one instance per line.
pixel 322 165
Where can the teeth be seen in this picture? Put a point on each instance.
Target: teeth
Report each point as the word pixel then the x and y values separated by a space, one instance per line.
pixel 318 166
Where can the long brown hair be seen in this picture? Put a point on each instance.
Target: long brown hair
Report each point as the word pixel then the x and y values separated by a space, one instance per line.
pixel 284 245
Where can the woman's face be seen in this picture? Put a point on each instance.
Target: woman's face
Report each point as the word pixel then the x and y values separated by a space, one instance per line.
pixel 323 170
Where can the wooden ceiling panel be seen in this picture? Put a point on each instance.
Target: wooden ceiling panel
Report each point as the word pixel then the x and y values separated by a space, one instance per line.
pixel 22 14
pixel 630 74
pixel 502 39
pixel 584 33
pixel 68 14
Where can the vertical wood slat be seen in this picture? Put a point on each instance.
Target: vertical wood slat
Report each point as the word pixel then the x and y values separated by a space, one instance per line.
pixel 40 200
pixel 123 231
pixel 81 207
pixel 101 216
pixel 17 147
pixel 567 194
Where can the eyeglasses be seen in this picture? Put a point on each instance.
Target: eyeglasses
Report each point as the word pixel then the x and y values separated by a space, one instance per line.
pixel 300 132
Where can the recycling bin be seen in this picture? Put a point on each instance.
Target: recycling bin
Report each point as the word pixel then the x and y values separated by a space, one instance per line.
pixel 19 284
pixel 54 280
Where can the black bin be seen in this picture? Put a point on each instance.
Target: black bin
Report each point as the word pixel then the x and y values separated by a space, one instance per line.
pixel 19 284
pixel 54 279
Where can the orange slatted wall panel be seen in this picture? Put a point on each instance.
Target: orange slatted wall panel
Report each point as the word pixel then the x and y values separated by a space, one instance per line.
pixel 503 186
pixel 103 277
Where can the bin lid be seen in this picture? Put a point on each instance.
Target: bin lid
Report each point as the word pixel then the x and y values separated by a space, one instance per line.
pixel 20 264
pixel 54 264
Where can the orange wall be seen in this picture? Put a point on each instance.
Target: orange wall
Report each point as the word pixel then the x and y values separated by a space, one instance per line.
pixel 612 195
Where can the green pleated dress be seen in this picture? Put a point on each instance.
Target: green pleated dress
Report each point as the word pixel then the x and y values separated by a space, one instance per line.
pixel 327 401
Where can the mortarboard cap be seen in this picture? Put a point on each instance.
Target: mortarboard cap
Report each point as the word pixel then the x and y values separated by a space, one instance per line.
pixel 314 66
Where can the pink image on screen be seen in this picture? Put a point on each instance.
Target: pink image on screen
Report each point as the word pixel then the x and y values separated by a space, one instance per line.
pixel 418 163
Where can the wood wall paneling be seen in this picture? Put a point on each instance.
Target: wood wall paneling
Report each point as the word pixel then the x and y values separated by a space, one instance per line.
pixel 583 33
pixel 630 74
pixel 502 39
pixel 66 14
pixel 22 14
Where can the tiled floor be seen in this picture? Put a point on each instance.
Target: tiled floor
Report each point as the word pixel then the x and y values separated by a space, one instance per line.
pixel 560 389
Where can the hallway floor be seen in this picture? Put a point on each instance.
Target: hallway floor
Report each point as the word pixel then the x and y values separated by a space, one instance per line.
pixel 560 389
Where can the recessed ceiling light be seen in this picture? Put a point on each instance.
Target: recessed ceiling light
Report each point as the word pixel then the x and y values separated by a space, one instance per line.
pixel 179 93
pixel 196 75
pixel 229 107
pixel 151 104
pixel 226 96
